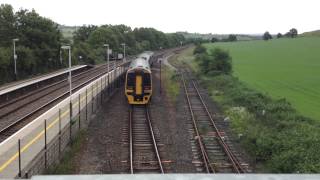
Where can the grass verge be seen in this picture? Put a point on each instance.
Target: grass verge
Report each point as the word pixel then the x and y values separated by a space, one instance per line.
pixel 67 164
pixel 278 137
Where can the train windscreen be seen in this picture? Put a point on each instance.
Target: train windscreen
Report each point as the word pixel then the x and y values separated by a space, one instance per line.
pixel 130 80
pixel 147 81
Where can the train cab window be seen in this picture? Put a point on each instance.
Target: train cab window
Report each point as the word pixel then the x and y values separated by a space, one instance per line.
pixel 147 81
pixel 130 79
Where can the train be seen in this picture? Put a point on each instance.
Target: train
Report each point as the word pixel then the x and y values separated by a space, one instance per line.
pixel 138 81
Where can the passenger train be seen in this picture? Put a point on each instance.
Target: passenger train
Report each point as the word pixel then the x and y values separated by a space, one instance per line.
pixel 138 85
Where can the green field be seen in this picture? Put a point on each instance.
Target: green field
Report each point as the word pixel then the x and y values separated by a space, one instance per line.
pixel 282 68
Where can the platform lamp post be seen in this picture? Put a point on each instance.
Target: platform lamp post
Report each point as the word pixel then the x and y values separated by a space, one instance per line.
pixel 15 57
pixel 124 51
pixel 70 82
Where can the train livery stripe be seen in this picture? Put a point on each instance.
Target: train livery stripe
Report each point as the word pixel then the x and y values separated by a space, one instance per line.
pixel 138 84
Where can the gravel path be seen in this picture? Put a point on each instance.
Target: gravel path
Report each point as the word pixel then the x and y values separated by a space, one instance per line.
pixel 101 151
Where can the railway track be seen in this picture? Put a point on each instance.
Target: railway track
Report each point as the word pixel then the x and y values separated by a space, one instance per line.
pixel 17 113
pixel 212 152
pixel 144 152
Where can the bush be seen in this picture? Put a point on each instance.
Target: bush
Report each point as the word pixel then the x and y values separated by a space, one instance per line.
pixel 273 132
pixel 199 49
pixel 216 63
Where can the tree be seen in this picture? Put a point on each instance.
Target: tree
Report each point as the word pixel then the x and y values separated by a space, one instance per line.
pixel 7 25
pixel 221 61
pixel 216 62
pixel 267 36
pixel 213 40
pixel 83 33
pixel 279 35
pixel 232 38
pixel 293 32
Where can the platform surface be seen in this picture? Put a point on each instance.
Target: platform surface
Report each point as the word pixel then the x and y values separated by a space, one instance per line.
pixel 23 83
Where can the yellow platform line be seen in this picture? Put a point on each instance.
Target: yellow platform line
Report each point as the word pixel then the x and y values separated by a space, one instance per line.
pixel 15 156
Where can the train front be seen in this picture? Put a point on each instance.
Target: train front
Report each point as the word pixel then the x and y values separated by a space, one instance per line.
pixel 138 88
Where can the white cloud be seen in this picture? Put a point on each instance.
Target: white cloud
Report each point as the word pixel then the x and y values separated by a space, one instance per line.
pixel 204 16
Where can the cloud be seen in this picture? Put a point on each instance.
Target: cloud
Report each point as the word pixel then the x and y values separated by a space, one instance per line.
pixel 204 16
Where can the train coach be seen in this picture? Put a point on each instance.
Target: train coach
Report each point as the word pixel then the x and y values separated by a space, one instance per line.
pixel 138 85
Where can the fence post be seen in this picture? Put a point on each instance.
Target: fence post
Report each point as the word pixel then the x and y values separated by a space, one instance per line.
pixel 101 92
pixel 86 104
pixel 59 133
pixel 26 175
pixel 79 111
pixel 105 84
pixel 116 79
pixel 108 84
pixel 45 143
pixel 112 81
pixel 92 99
pixel 19 150
pixel 97 94
pixel 70 124
pixel 70 109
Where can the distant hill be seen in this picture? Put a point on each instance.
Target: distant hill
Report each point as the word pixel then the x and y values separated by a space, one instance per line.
pixel 67 31
pixel 209 36
pixel 311 33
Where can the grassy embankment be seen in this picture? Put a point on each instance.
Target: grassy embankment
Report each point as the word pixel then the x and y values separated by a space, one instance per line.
pixel 272 131
pixel 283 68
pixel 67 164
pixel 171 80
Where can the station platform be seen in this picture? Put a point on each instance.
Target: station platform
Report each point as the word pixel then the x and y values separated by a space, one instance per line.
pixel 183 177
pixel 7 88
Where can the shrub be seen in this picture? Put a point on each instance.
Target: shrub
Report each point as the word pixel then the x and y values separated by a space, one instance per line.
pixel 199 49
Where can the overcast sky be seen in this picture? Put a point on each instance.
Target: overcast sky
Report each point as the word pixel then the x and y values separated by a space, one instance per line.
pixel 203 16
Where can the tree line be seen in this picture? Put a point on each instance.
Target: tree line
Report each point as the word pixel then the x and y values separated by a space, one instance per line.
pixel 89 40
pixel 40 39
pixel 292 33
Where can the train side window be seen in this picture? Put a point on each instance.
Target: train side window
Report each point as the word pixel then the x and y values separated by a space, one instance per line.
pixel 130 79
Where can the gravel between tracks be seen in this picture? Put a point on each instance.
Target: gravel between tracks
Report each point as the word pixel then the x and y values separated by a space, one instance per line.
pixel 170 119
pixel 103 152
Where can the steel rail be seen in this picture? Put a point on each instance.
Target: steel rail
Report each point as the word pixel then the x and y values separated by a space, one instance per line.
pixel 74 89
pixel 51 85
pixel 131 140
pixel 155 146
pixel 235 163
pixel 203 152
pixel 44 88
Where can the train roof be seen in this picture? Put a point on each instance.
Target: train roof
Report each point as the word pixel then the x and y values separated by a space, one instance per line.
pixel 146 55
pixel 140 63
